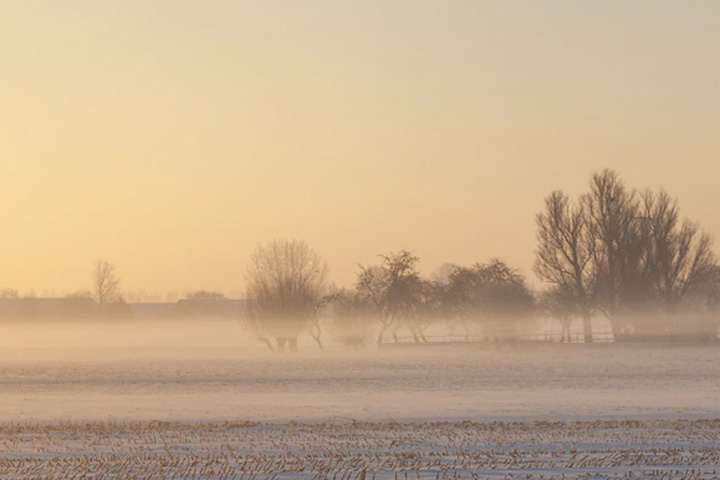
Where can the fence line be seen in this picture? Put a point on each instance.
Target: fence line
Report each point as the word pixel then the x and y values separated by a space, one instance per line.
pixel 548 337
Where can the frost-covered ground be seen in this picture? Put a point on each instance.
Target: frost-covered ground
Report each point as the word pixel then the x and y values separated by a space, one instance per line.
pixel 651 449
pixel 538 382
pixel 181 405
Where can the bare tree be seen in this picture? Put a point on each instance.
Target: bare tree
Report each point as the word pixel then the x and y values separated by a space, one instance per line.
pixel 492 294
pixel 318 319
pixel 621 251
pixel 448 304
pixel 372 286
pixel 106 283
pixel 286 280
pixel 564 258
pixel 682 254
pixel 626 254
pixel 394 288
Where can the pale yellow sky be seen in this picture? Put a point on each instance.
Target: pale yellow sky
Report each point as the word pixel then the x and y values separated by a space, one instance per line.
pixel 172 136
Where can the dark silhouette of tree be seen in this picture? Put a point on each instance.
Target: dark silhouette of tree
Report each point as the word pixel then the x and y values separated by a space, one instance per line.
pixel 106 283
pixel 429 308
pixel 493 295
pixel 447 299
pixel 317 319
pixel 618 240
pixel 394 288
pixel 286 280
pixel 682 254
pixel 564 258
pixel 626 254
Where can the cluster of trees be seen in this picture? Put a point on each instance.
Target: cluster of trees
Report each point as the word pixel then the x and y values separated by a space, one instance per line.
pixel 288 293
pixel 629 256
pixel 105 288
pixel 614 251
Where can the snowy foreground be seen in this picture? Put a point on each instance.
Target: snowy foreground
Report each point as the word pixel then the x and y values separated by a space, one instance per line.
pixel 199 408
pixel 339 449
pixel 557 382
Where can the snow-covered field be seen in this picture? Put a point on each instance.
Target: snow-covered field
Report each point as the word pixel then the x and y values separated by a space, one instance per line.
pixel 188 406
pixel 538 382
pixel 659 449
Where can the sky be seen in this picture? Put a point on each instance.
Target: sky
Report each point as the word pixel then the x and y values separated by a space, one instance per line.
pixel 173 137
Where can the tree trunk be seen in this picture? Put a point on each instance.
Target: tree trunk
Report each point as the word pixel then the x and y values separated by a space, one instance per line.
pixel 380 335
pixel 318 341
pixel 587 328
pixel 316 336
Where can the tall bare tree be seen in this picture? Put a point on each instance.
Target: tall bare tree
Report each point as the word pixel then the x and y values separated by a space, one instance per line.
pixel 317 319
pixel 106 283
pixel 564 258
pixel 286 280
pixel 620 240
pixel 682 254
pixel 626 254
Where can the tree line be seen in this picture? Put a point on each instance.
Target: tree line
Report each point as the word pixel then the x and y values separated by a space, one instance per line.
pixel 616 252
pixel 613 252
pixel 627 255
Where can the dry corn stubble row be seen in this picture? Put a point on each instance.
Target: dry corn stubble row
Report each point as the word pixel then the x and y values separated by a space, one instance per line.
pixel 348 450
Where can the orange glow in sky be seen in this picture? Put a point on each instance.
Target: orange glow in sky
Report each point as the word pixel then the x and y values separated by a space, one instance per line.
pixel 172 137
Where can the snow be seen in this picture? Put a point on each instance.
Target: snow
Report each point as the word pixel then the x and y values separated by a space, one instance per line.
pixel 538 382
pixel 185 403
pixel 340 449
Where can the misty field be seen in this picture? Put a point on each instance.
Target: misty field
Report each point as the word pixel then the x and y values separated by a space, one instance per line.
pixel 222 412
pixel 534 382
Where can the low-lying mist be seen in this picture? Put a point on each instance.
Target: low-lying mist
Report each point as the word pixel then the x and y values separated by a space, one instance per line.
pixel 121 338
pixel 173 338
pixel 199 371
